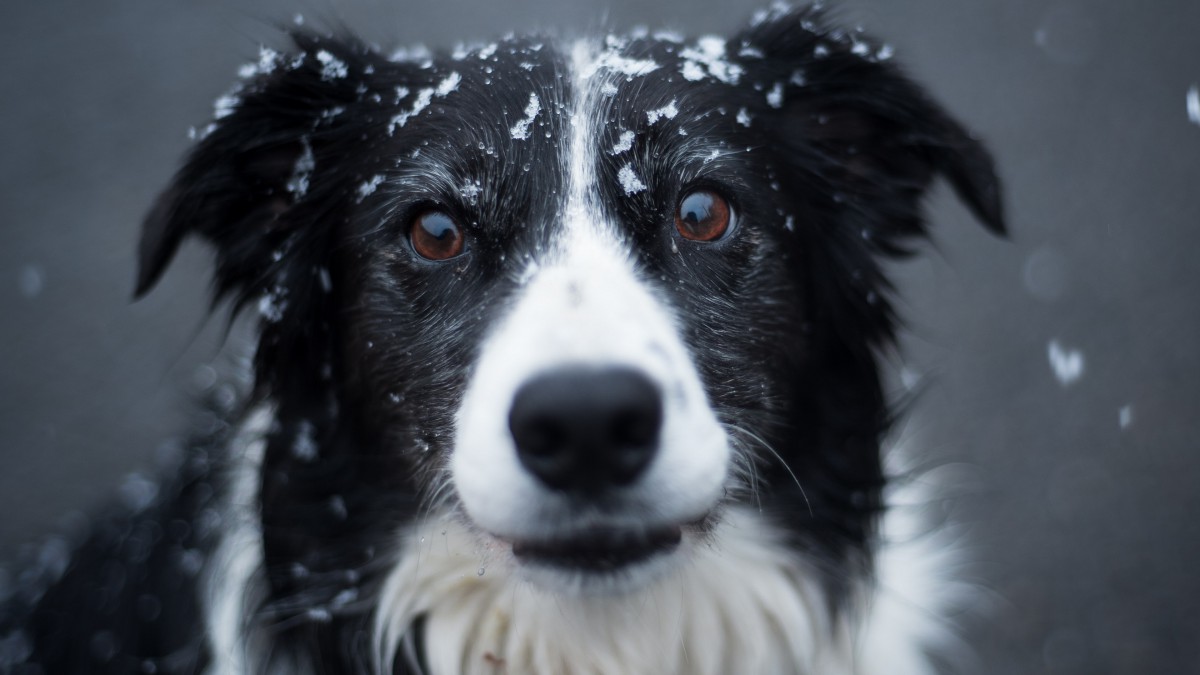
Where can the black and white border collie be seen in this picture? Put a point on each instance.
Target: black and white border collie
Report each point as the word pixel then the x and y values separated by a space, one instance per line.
pixel 568 363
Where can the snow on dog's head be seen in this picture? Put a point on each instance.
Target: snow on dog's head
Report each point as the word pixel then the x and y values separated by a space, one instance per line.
pixel 586 307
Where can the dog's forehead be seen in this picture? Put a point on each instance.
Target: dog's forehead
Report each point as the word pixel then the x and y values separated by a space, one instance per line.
pixel 503 90
pixel 512 130
pixel 528 89
pixel 662 95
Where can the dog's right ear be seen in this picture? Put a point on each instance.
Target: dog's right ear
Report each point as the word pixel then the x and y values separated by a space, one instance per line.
pixel 256 163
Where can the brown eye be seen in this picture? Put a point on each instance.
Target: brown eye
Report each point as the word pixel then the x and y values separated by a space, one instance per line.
pixel 435 236
pixel 703 215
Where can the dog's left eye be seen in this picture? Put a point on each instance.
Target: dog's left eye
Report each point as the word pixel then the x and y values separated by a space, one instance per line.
pixel 703 215
pixel 435 236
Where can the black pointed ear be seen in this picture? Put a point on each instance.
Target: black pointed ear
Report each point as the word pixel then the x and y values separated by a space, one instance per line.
pixel 255 164
pixel 863 131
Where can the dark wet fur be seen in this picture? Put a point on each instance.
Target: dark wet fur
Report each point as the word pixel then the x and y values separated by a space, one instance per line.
pixel 368 347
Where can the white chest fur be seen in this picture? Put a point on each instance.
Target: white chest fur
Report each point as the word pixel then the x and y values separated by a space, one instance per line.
pixel 743 604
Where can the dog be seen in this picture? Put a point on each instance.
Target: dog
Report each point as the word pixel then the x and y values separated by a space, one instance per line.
pixel 568 361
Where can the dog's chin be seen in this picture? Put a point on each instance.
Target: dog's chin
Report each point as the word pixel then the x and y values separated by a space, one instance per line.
pixel 600 560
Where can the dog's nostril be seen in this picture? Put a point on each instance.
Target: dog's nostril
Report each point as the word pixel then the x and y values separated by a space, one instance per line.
pixel 586 429
pixel 541 436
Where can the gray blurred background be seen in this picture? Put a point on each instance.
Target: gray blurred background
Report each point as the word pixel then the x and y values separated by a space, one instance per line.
pixel 1078 485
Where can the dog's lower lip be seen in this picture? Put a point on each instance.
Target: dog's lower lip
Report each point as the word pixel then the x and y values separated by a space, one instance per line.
pixel 599 550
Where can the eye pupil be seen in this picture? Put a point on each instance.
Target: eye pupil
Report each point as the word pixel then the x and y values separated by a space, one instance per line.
pixel 703 216
pixel 435 236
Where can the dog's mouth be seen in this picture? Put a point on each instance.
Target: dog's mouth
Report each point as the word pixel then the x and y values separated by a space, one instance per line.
pixel 599 550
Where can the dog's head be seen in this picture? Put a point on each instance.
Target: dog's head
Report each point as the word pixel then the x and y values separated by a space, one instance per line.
pixel 584 297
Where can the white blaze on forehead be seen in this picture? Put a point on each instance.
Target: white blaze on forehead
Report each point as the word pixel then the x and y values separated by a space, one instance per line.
pixel 582 159
pixel 583 303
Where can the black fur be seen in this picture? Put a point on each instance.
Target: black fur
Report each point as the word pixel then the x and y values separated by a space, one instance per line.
pixel 365 348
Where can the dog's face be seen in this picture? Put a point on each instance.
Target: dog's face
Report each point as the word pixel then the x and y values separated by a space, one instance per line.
pixel 583 297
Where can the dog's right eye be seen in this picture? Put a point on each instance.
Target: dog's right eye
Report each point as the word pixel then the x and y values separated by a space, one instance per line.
pixel 703 216
pixel 435 236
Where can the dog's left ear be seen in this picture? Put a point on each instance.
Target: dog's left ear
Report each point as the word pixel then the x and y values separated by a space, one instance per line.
pixel 864 132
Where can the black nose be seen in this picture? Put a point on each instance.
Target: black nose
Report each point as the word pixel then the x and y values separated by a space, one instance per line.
pixel 586 429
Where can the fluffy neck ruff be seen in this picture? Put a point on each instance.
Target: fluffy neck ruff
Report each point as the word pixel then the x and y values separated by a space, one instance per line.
pixel 742 604
pixel 745 603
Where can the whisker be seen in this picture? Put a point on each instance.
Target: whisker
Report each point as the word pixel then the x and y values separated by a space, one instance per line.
pixel 761 442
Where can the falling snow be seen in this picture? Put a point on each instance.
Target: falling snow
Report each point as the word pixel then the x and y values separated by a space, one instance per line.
pixel 449 84
pixel 272 304
pixel 302 171
pixel 1068 365
pixel 776 11
pixel 319 614
pixel 668 111
pixel 368 187
pixel 138 492
pixel 345 597
pixel 423 99
pixel 743 117
pixel 332 68
pixel 1193 104
pixel 337 505
pixel 470 191
pixel 624 143
pixel 691 71
pixel 611 60
pixel 520 130
pixel 629 180
pixel 304 446
pixel 31 281
pixel 268 59
pixel 199 134
pixel 225 105
pixel 708 58
pixel 410 54
pixel 1125 416
pixel 750 52
pixel 775 96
